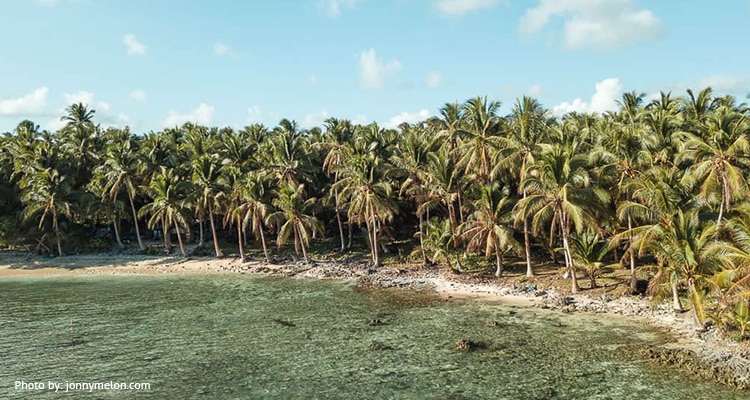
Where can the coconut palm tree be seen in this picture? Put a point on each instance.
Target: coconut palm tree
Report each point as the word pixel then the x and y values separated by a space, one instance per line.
pixel 251 208
pixel 589 252
pixel 717 161
pixel 489 227
pixel 483 126
pixel 295 214
pixel 560 193
pixel 528 124
pixel 47 192
pixel 337 136
pixel 211 190
pixel 167 206
pixel 119 171
pixel 366 185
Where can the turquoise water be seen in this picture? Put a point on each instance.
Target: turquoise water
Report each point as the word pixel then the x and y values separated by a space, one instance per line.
pixel 235 337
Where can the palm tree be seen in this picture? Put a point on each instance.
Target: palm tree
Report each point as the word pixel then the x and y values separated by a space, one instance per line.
pixel 489 227
pixel 47 192
pixel 438 241
pixel 366 185
pixel 529 122
pixel 718 160
pixel 119 172
pixel 251 208
pixel 337 136
pixel 411 160
pixel 483 125
pixel 166 208
pixel 589 252
pixel 208 180
pixel 560 192
pixel 294 212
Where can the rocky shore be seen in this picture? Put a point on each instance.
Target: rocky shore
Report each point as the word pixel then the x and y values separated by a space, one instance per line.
pixel 702 353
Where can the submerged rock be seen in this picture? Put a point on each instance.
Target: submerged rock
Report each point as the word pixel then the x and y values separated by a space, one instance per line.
pixel 378 346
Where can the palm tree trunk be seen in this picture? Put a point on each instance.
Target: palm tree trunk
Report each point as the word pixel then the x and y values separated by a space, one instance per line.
pixel 135 223
pixel 460 207
pixel 349 242
pixel 165 232
pixel 569 258
pixel 633 277
pixel 239 239
pixel 213 232
pixel 200 232
pixel 338 219
pixel 499 259
pixel 302 244
pixel 421 238
pixel 375 259
pixel 117 232
pixel 57 233
pixel 527 245
pixel 179 239
pixel 676 305
pixel 263 242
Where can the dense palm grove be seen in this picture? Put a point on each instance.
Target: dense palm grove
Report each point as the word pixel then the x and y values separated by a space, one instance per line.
pixel 658 188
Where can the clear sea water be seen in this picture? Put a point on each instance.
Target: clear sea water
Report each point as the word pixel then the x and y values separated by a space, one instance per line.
pixel 241 337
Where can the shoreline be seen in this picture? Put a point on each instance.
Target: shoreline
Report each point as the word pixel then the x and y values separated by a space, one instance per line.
pixel 703 354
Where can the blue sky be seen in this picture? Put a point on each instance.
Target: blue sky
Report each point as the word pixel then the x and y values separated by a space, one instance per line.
pixel 151 64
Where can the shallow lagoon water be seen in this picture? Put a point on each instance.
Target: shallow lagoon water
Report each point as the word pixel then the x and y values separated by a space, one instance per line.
pixel 215 337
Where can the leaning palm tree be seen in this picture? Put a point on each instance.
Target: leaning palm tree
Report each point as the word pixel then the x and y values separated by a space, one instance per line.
pixel 489 228
pixel 166 208
pixel 295 214
pixel 47 192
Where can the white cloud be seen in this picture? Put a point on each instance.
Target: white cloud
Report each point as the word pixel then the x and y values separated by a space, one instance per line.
pixel 361 119
pixel 87 98
pixel 135 48
pixel 373 71
pixel 138 95
pixel 535 90
pixel 411 118
pixel 433 80
pixel 461 7
pixel 315 119
pixel 29 104
pixel 254 114
pixel 333 7
pixel 726 83
pixel 203 115
pixel 604 99
pixel 601 24
pixel 222 49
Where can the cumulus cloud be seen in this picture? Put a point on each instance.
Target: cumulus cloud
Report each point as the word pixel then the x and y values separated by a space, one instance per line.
pixel 202 115
pixel 30 104
pixel 222 49
pixel 138 95
pixel 727 83
pixel 87 98
pixel 604 99
pixel 135 48
pixel 433 80
pixel 315 119
pixel 599 24
pixel 373 71
pixel 254 114
pixel 411 118
pixel 461 7
pixel 333 7
pixel 535 90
